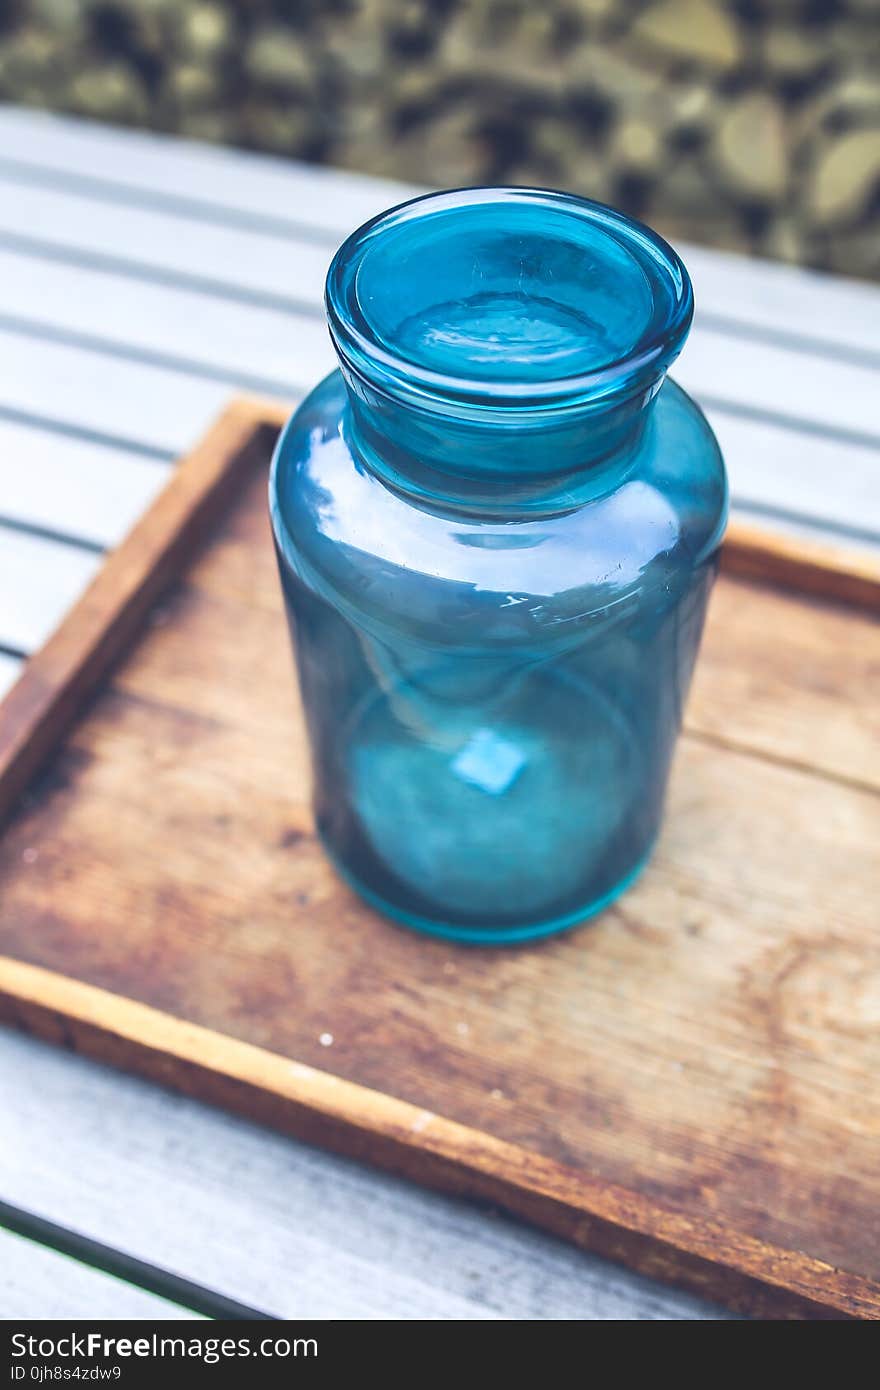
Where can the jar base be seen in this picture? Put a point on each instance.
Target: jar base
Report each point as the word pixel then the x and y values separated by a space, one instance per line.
pixel 487 935
pixel 482 811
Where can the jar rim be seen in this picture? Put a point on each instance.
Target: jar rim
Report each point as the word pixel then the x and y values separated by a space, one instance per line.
pixel 362 350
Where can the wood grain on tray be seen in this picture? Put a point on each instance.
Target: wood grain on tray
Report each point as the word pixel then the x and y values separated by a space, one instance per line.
pixel 687 1083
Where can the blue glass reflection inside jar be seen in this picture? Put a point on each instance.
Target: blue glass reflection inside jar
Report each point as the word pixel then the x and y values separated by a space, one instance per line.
pixel 497 528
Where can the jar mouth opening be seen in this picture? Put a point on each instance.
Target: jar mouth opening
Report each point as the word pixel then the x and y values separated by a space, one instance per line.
pixel 507 297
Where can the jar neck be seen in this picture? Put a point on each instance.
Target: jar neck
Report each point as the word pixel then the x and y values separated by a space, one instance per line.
pixel 499 464
pixel 501 346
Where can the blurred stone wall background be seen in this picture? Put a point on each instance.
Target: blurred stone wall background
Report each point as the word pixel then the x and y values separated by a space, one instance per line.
pixel 753 126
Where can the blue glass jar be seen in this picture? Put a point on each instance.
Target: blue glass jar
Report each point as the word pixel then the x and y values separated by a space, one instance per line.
pixel 497 527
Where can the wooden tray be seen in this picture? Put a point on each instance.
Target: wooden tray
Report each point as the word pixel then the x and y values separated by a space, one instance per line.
pixel 688 1085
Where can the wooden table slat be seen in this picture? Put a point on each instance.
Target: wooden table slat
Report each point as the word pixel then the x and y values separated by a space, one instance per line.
pixel 206 335
pixel 39 581
pixel 265 348
pixel 95 393
pixel 275 1223
pixel 78 488
pixel 10 666
pixel 226 259
pixel 36 1282
pixel 332 201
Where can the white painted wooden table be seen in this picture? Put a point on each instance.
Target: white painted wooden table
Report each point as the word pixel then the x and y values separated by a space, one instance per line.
pixel 143 281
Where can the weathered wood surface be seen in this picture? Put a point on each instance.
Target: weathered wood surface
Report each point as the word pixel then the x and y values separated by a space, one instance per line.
pixel 275 1223
pixel 66 669
pixel 701 1254
pixel 707 1048
pixel 805 566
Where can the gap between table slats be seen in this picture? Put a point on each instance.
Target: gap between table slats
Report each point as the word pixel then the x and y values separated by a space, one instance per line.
pixel 184 1296
pixel 36 1282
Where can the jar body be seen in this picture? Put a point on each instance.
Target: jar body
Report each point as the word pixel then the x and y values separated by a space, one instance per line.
pixel 492 701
